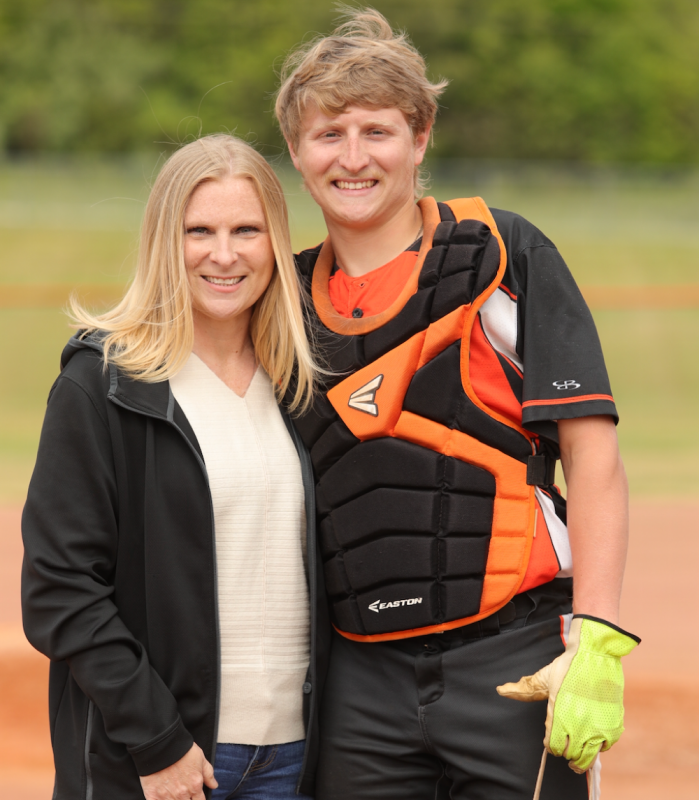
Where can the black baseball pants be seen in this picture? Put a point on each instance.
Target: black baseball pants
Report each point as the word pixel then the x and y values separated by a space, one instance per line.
pixel 420 718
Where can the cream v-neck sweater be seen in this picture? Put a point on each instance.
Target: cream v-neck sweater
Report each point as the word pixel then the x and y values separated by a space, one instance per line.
pixel 258 499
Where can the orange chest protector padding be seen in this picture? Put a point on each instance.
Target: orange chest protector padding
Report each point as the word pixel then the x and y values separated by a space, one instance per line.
pixel 426 518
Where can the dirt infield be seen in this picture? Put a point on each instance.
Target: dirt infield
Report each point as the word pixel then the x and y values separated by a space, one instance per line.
pixel 658 756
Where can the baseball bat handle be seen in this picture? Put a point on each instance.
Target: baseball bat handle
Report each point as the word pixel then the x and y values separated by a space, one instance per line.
pixel 540 777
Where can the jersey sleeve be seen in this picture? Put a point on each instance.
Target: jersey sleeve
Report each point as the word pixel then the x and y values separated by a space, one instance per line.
pixel 565 376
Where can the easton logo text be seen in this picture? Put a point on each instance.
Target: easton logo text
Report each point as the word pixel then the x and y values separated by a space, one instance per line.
pixel 377 605
pixel 364 399
pixel 563 385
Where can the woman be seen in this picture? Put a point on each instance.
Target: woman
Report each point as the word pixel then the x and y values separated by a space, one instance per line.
pixel 165 525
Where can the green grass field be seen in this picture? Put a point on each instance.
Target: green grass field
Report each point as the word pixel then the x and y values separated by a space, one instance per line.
pixel 77 223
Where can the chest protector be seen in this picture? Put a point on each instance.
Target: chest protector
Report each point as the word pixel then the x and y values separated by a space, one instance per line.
pixel 426 517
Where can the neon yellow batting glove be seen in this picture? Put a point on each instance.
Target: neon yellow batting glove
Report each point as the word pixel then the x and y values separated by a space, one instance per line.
pixel 585 691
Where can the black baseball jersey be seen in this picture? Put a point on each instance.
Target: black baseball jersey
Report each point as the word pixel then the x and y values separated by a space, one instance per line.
pixel 539 317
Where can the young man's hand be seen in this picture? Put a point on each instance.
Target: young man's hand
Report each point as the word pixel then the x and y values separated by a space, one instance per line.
pixel 182 780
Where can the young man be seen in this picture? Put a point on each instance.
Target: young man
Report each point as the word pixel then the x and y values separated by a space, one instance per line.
pixel 465 363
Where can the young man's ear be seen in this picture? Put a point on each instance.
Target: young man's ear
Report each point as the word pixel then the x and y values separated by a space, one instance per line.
pixel 292 153
pixel 421 142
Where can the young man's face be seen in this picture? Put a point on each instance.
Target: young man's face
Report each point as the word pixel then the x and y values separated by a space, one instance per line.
pixel 360 165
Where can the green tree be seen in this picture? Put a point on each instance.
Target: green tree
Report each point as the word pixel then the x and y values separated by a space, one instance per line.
pixel 596 80
pixel 588 80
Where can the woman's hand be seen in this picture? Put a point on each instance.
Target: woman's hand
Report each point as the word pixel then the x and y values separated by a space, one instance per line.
pixel 182 780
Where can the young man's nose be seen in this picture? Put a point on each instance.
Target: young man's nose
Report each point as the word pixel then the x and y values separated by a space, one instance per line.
pixel 354 157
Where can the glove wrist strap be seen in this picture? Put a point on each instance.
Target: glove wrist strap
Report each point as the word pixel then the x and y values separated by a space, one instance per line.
pixel 609 625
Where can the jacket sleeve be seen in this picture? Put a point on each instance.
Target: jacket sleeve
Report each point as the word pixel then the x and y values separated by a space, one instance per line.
pixel 70 532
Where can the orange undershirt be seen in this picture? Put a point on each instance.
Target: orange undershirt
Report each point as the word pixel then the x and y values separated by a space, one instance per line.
pixel 373 292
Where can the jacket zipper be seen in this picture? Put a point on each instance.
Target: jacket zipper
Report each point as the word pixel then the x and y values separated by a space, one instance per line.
pixel 86 754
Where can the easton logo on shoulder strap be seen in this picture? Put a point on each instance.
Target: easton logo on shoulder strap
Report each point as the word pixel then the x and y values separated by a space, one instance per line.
pixel 364 398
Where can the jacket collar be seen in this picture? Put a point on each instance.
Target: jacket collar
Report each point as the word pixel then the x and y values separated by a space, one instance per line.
pixel 152 399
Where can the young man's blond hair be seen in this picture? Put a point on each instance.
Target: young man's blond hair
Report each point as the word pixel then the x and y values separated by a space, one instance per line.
pixel 363 62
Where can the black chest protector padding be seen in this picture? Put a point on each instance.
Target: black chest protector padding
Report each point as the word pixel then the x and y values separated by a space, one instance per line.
pixel 399 523
pixel 436 393
pixel 393 462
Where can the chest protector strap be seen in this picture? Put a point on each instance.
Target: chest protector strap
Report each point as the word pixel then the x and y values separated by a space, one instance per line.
pixel 477 516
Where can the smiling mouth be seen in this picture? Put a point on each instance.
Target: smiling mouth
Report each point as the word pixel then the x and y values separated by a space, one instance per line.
pixel 223 281
pixel 355 184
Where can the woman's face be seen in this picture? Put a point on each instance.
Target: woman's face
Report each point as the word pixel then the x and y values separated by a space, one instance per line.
pixel 227 251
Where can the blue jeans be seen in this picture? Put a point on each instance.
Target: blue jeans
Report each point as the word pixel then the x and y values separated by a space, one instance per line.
pixel 249 772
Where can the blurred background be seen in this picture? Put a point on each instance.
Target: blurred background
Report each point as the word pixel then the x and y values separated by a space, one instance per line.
pixel 581 115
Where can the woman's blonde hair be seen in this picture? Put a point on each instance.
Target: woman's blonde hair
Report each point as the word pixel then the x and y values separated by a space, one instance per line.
pixel 363 63
pixel 150 333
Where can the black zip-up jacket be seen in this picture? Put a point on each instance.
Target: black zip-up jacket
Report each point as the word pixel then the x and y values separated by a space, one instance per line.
pixel 119 582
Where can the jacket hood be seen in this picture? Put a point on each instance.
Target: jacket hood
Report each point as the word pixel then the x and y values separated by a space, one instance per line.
pixel 91 342
pixel 152 399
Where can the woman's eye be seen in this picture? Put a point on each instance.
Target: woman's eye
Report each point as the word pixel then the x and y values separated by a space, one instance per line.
pixel 247 229
pixel 198 230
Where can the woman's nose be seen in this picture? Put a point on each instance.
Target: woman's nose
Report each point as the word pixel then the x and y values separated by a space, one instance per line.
pixel 223 251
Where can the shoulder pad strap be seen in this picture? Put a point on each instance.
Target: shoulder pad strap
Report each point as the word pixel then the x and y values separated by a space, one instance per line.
pixel 472 208
pixel 476 208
